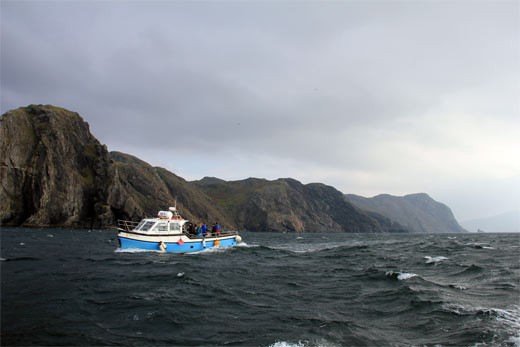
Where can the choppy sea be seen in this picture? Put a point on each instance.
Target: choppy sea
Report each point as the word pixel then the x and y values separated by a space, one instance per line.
pixel 65 287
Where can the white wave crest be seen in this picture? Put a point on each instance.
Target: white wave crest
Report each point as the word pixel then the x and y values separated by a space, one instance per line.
pixel 321 342
pixel 287 344
pixel 434 260
pixel 245 245
pixel 405 276
pixel 401 276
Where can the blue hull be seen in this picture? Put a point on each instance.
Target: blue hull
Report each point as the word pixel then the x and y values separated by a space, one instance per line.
pixel 173 247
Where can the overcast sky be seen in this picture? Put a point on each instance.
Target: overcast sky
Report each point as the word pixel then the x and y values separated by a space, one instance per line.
pixel 370 97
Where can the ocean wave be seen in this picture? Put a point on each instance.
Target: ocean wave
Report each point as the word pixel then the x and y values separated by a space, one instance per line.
pixel 245 245
pixel 469 270
pixel 288 344
pixel 318 343
pixel 478 245
pixel 21 259
pixel 316 247
pixel 434 260
pixel 507 320
pixel 401 276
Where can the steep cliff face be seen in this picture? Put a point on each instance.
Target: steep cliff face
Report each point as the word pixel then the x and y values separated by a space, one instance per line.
pixel 53 171
pixel 287 205
pixel 418 212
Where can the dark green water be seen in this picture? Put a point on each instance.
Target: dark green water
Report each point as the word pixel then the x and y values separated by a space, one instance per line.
pixel 71 287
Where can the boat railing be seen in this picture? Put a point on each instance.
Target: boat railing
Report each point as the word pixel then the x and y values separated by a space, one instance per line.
pixel 211 235
pixel 126 225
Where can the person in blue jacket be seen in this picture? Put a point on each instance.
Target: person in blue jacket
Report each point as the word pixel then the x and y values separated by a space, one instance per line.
pixel 217 228
pixel 204 228
pixel 199 231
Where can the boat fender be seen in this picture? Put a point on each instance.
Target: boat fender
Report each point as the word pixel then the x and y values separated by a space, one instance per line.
pixel 162 246
pixel 204 243
pixel 238 238
pixel 217 243
pixel 180 242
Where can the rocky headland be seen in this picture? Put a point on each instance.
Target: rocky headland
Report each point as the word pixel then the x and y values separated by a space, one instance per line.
pixel 416 212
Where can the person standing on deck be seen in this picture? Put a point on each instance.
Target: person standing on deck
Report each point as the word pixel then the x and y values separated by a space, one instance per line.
pixel 204 228
pixel 213 230
pixel 217 227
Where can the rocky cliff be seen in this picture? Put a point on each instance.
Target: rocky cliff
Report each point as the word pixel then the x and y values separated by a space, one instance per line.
pixel 55 173
pixel 288 205
pixel 52 170
pixel 417 212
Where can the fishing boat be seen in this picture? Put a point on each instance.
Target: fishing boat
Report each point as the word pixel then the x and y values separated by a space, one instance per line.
pixel 167 233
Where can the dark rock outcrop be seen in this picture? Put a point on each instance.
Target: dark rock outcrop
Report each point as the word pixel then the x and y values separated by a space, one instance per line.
pixel 52 170
pixel 55 173
pixel 417 212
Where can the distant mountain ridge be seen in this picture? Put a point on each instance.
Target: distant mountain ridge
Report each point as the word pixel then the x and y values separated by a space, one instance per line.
pixel 54 172
pixel 418 212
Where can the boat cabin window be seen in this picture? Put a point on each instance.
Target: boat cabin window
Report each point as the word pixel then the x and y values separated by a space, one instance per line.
pixel 162 226
pixel 175 227
pixel 147 226
pixel 140 225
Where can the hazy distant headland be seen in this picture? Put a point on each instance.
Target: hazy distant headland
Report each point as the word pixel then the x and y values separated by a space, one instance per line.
pixel 503 223
pixel 54 172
